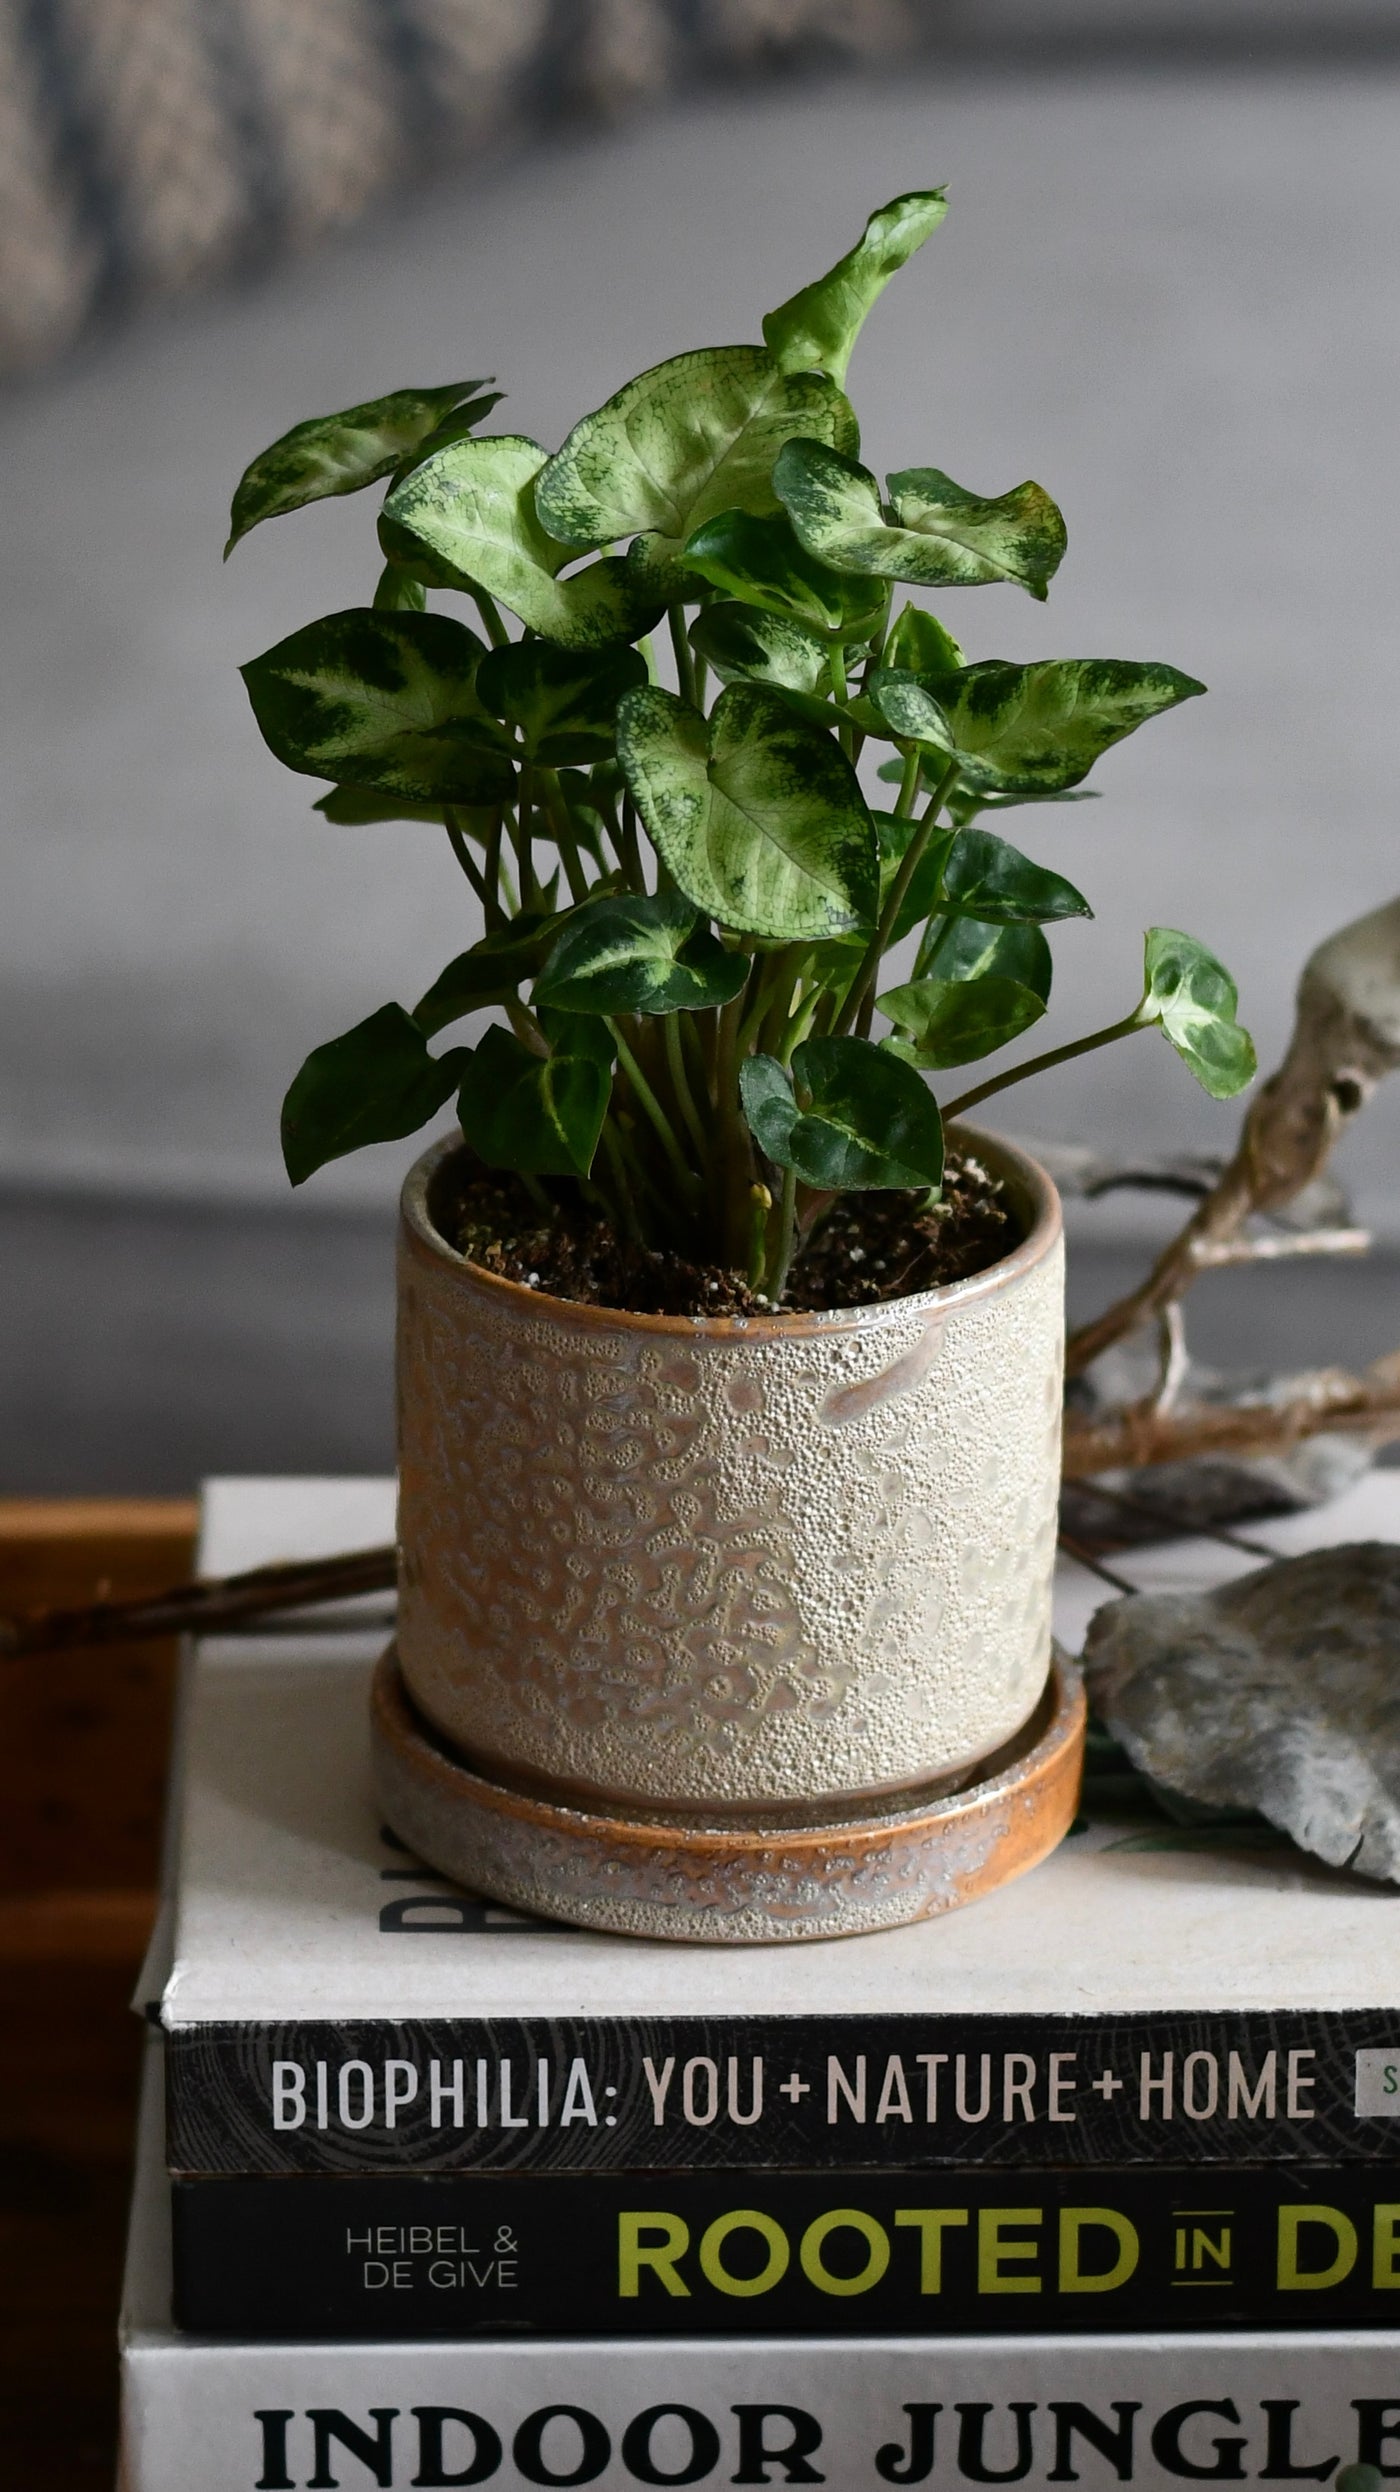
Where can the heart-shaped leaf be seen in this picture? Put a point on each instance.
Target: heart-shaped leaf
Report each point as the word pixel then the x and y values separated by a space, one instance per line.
pixel 851 1117
pixel 985 877
pixel 760 562
pixel 639 954
pixel 489 973
pixel 920 645
pixel 339 453
pixel 744 645
pixel 972 947
pixel 466 519
pixel 758 816
pixel 541 1115
pixel 1194 1001
pixel 384 701
pixel 954 1021
pixel 562 703
pixel 938 535
pixel 375 1084
pixel 818 327
pixel 691 437
pixel 1038 729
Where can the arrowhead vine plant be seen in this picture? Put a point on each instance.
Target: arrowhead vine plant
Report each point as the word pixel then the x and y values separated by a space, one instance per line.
pixel 716 774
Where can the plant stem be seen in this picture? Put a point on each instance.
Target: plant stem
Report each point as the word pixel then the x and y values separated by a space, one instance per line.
pixel 524 848
pixel 675 1065
pixel 564 837
pixel 731 1166
pixel 652 1108
pixel 909 864
pixel 787 1230
pixel 491 868
pixel 489 612
pixel 761 1204
pixel 464 857
pixel 929 950
pixel 612 1146
pixel 685 660
pixel 1042 1064
pixel 908 795
pixel 631 852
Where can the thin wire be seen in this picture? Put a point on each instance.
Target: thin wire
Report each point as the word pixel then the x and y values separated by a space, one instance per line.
pixel 1084 1557
pixel 1184 1522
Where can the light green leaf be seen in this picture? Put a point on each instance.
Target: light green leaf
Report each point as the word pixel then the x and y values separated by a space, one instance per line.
pixel 397 593
pixel 541 1115
pixel 985 877
pixel 911 712
pixel 920 645
pixel 562 703
pixel 852 1118
pixel 954 1020
pixel 744 645
pixel 938 534
pixel 1194 1001
pixel 639 954
pixel 375 1084
pixel 466 519
pixel 1038 729
pixel 489 973
pixel 760 562
pixel 384 701
pixel 974 947
pixel 819 326
pixel 691 437
pixel 339 453
pixel 758 816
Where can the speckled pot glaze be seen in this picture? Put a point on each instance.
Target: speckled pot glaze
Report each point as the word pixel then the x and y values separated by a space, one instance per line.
pixel 662 1562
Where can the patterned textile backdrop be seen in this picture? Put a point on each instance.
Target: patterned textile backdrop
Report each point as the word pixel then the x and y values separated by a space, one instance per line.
pixel 152 145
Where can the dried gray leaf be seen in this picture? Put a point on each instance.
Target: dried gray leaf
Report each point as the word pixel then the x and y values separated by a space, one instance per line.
pixel 1278 1692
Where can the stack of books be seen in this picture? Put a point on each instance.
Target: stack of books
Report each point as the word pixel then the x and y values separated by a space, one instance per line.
pixel 1093 2182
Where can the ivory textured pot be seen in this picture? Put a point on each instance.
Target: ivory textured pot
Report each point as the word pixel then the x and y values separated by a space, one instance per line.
pixel 728 1567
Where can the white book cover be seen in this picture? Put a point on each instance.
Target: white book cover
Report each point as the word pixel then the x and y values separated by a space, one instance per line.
pixel 856 2414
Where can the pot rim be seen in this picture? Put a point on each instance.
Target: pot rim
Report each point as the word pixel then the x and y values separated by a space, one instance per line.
pixel 1032 1181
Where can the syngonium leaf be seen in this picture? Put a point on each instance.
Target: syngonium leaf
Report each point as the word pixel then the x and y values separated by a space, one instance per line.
pixel 760 562
pixel 745 645
pixel 649 953
pixel 850 1117
pixel 374 1084
pixel 384 701
pixel 949 1021
pixel 490 972
pixel 758 816
pixel 350 808
pixel 819 326
pixel 466 519
pixel 693 436
pixel 975 947
pixel 935 535
pixel 1030 730
pixel 920 645
pixel 1194 1001
pixel 541 1115
pixel 986 878
pixel 562 703
pixel 339 453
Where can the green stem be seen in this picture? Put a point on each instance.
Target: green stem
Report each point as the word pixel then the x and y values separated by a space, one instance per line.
pixel 653 1110
pixel 524 837
pixel 464 857
pixel 836 677
pixel 631 851
pixel 908 795
pixel 685 659
pixel 869 971
pixel 489 612
pixel 675 1065
pixel 491 868
pixel 731 1166
pixel 564 837
pixel 617 1162
pixel 787 1231
pixel 525 1026
pixel 1042 1064
pixel 760 1205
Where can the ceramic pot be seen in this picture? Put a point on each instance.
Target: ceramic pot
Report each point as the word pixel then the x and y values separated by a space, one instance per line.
pixel 720 1565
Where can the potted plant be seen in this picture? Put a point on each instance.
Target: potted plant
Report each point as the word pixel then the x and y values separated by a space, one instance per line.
pixel 729 1362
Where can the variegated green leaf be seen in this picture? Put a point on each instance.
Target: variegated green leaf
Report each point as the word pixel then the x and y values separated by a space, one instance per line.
pixel 936 534
pixel 385 701
pixel 691 437
pixel 987 878
pixel 490 972
pixel 975 947
pixel 948 1021
pixel 818 327
pixel 920 645
pixel 758 816
pixel 745 645
pixel 466 519
pixel 339 453
pixel 374 1084
pixel 541 1115
pixel 1194 1001
pixel 648 953
pixel 1038 729
pixel 850 1117
pixel 760 562
pixel 562 703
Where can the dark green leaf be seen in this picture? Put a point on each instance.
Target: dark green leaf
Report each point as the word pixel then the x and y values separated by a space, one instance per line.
pixel 758 816
pixel 819 326
pixel 970 947
pixel 746 646
pixel 1194 1001
pixel 562 703
pixel 1038 729
pixel 939 535
pixel 340 453
pixel 351 807
pixel 760 562
pixel 639 954
pixel 375 1084
pixel 489 973
pixel 919 645
pixel 384 701
pixel 854 1118
pixel 986 877
pixel 541 1115
pixel 953 1021
pixel 691 437
pixel 466 519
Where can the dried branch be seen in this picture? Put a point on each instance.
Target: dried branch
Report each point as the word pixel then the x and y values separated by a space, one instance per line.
pixel 232 1604
pixel 1143 1434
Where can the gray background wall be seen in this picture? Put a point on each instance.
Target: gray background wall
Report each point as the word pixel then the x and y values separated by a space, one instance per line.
pixel 1170 294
